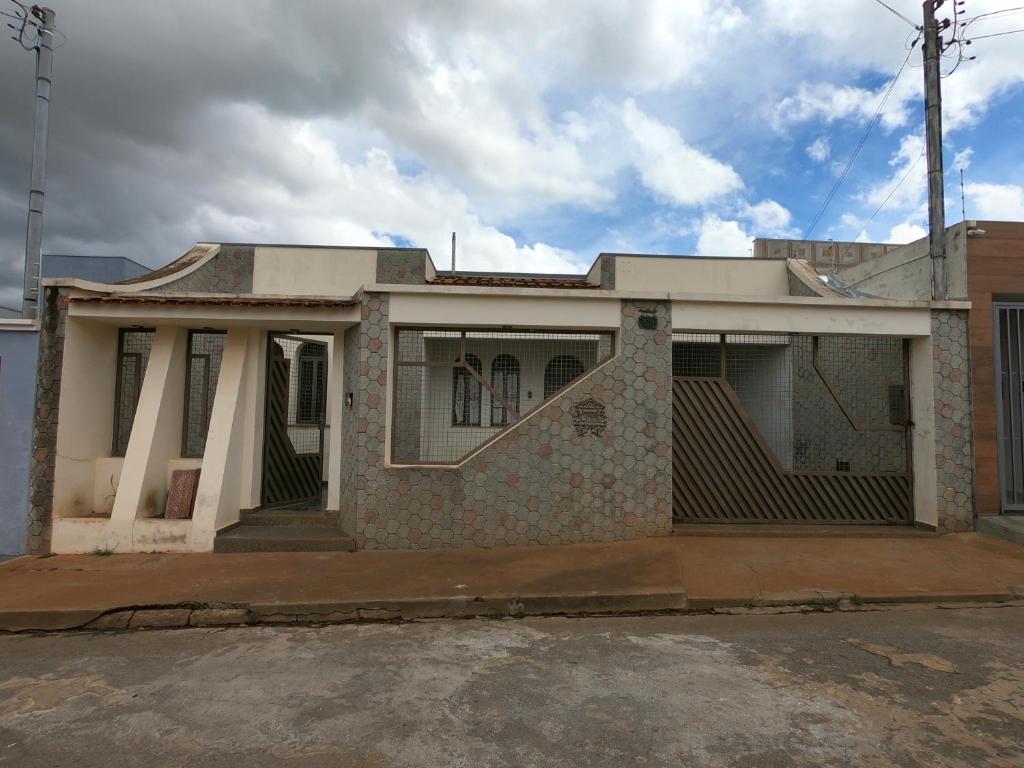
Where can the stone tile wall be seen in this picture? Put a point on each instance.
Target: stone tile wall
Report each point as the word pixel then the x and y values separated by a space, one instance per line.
pixel 542 482
pixel 954 459
pixel 402 267
pixel 44 432
pixel 230 271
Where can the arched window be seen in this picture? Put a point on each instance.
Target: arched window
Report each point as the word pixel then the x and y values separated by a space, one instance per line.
pixel 505 381
pixel 466 394
pixel 312 377
pixel 559 372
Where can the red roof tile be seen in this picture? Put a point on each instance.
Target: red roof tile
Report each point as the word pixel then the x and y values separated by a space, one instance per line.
pixel 227 300
pixel 510 281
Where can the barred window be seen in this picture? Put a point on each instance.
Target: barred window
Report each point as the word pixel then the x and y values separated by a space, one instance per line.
pixel 467 393
pixel 505 383
pixel 447 379
pixel 560 372
pixel 133 348
pixel 205 351
pixel 312 375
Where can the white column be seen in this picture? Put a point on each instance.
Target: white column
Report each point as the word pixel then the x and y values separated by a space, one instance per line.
pixel 336 402
pixel 922 413
pixel 156 432
pixel 221 479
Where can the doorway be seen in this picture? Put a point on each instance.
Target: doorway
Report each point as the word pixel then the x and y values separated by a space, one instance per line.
pixel 295 421
pixel 1009 357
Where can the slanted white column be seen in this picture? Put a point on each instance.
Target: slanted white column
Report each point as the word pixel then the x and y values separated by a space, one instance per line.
pixel 922 413
pixel 221 479
pixel 336 402
pixel 252 439
pixel 156 434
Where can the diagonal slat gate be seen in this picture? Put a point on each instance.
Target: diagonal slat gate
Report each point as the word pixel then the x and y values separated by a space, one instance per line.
pixel 294 422
pixel 724 471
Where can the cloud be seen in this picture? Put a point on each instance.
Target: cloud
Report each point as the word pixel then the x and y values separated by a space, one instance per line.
pixel 906 233
pixel 770 219
pixel 999 202
pixel 720 237
pixel 542 132
pixel 671 168
pixel 819 150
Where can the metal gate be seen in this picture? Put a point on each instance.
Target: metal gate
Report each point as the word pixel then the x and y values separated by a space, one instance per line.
pixel 1010 396
pixel 790 429
pixel 293 438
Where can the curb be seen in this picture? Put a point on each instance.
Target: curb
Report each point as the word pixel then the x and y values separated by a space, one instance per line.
pixel 184 615
pixel 198 615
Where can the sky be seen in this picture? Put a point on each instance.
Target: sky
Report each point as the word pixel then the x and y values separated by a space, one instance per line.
pixel 543 133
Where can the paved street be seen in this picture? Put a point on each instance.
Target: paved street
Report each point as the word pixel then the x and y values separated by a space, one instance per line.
pixel 922 687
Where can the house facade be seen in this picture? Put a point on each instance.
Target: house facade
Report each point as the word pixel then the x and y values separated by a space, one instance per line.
pixel 403 407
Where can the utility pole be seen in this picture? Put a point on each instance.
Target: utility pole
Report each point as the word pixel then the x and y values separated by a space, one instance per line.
pixel 46 19
pixel 933 146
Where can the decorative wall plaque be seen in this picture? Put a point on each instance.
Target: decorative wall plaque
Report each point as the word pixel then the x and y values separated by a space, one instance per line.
pixel 648 319
pixel 589 418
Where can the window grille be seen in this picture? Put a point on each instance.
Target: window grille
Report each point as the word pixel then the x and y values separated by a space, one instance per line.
pixel 560 372
pixel 133 348
pixel 455 389
pixel 205 351
pixel 312 375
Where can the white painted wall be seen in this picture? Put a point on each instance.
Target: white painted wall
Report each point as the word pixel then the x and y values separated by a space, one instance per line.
pixel 86 424
pixel 313 271
pixel 797 317
pixel 682 274
pixel 495 310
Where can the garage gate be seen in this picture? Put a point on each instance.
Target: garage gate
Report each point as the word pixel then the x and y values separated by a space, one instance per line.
pixel 787 428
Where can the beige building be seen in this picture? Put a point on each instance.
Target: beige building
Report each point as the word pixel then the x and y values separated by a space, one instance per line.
pixel 357 397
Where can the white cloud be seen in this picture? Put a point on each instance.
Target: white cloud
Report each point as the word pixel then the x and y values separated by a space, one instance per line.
pixel 671 168
pixel 906 187
pixel 770 219
pixel 819 150
pixel 999 202
pixel 720 237
pixel 906 233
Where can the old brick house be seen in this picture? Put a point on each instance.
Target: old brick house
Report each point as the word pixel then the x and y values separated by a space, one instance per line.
pixel 354 397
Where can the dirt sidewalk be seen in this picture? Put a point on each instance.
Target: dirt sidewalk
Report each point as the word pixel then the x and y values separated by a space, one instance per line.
pixel 667 574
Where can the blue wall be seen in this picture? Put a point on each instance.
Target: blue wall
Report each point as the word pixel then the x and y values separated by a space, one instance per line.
pixel 18 351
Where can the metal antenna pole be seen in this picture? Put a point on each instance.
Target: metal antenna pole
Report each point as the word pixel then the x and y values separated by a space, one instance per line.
pixel 34 234
pixel 933 142
pixel 453 253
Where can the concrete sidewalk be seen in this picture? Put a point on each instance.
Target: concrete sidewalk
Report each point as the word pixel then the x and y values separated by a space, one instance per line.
pixel 669 574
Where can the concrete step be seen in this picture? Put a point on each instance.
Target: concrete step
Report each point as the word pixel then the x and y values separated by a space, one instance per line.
pixel 1005 527
pixel 308 518
pixel 283 538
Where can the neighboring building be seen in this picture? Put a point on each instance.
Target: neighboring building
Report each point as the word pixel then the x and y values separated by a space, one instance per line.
pixel 985 266
pixel 382 404
pixel 18 344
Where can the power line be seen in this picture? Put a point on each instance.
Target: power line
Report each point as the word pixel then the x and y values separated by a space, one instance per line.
pixel 885 202
pixel 897 13
pixel 997 34
pixel 860 145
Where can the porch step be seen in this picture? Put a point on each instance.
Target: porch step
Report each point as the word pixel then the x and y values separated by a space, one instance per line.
pixel 310 518
pixel 283 538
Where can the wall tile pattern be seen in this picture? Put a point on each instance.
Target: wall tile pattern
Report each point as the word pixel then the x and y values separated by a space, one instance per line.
pixel 541 483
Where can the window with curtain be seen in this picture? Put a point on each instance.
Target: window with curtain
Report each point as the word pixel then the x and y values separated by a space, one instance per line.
pixel 466 394
pixel 504 381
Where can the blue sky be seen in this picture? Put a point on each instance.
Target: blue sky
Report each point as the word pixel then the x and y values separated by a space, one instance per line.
pixel 542 132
